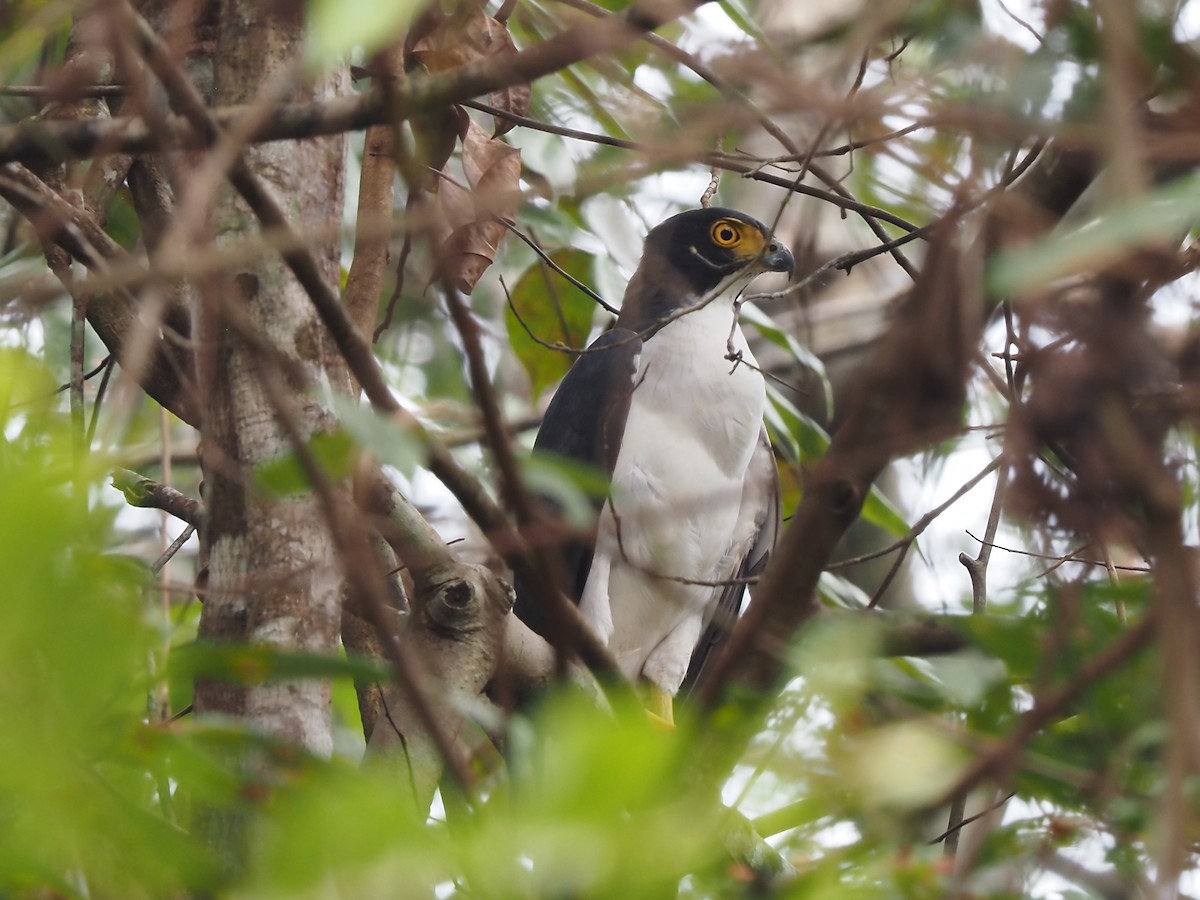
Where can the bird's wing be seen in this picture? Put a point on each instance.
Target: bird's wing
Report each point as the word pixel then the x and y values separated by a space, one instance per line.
pixel 760 514
pixel 584 422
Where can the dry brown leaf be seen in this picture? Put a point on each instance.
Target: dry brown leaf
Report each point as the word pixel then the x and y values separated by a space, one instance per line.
pixel 513 100
pixel 467 37
pixel 436 134
pixel 470 251
pixel 471 221
pixel 461 39
pixel 491 166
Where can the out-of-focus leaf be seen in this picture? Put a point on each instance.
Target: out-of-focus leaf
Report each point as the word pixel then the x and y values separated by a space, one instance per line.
pixel 881 512
pixel 744 19
pixel 122 223
pixel 792 439
pixel 1160 215
pixel 551 839
pixel 800 437
pixel 1011 639
pixel 902 765
pixel 570 485
pixel 384 438
pixel 835 655
pixel 766 326
pixel 74 646
pixel 306 846
pixel 260 663
pixel 842 592
pixel 555 311
pixel 285 476
pixel 30 30
pixel 335 27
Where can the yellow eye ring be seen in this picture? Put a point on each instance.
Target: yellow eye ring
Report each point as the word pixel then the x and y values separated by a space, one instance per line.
pixel 725 233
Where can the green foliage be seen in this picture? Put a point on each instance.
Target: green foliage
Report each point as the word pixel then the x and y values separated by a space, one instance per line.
pixel 574 488
pixel 74 644
pixel 288 475
pixel 1155 218
pixel 387 440
pixel 256 665
pixel 98 799
pixel 545 309
pixel 335 27
pixel 101 798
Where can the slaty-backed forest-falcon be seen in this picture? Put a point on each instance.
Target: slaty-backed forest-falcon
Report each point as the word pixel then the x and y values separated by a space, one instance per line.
pixel 670 404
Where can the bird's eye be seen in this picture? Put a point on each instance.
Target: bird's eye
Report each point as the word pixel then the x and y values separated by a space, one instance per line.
pixel 724 234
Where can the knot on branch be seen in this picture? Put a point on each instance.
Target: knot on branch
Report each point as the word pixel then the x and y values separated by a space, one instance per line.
pixel 471 599
pixel 845 500
pixel 454 607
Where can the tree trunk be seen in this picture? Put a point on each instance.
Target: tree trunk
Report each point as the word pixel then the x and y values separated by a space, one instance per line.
pixel 272 574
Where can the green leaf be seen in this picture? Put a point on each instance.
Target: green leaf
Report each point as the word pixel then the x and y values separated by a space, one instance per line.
pixel 554 312
pixel 259 664
pixel 881 512
pixel 285 475
pixel 743 19
pixel 765 325
pixel 574 487
pixel 1160 215
pixel 801 437
pixel 384 438
pixel 842 592
pixel 335 27
pixel 135 488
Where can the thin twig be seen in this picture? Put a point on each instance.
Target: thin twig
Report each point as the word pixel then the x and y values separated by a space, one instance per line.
pixel 962 822
pixel 922 523
pixel 109 366
pixel 1062 559
pixel 545 257
pixel 167 555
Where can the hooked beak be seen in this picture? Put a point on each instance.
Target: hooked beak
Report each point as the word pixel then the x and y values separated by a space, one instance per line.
pixel 779 259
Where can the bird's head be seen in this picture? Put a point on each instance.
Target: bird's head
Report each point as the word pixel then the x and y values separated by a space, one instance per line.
pixel 709 246
pixel 696 256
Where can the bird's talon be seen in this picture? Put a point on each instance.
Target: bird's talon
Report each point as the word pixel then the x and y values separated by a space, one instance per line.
pixel 662 708
pixel 659 722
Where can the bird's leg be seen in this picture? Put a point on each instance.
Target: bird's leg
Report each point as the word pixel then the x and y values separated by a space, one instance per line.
pixel 662 707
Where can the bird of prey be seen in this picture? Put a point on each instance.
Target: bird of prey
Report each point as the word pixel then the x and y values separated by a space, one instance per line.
pixel 670 404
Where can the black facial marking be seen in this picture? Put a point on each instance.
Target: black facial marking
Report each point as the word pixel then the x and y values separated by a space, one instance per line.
pixel 691 242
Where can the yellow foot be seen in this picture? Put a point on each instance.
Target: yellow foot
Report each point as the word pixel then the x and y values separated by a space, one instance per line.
pixel 662 708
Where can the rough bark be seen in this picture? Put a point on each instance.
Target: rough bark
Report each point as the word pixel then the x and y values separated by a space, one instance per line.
pixel 272 576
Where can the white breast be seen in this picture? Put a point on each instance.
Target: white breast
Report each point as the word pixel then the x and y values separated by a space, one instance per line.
pixel 694 421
